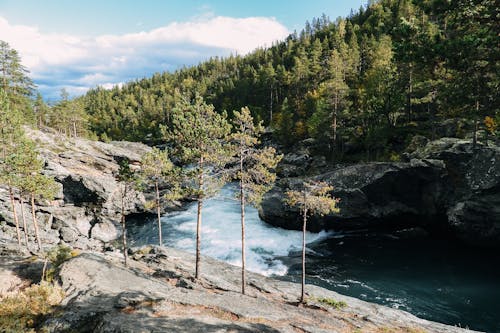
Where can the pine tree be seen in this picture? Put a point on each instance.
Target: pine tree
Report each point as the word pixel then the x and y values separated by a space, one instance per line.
pixel 313 199
pixel 14 78
pixel 255 169
pixel 334 91
pixel 30 180
pixel 128 183
pixel 199 136
pixel 156 167
pixel 10 134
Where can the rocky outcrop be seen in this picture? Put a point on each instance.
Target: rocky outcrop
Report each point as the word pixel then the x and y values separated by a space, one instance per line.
pixel 446 186
pixel 473 180
pixel 85 212
pixel 157 293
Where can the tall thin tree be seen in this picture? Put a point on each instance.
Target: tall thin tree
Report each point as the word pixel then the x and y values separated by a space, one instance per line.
pixel 255 173
pixel 199 136
pixel 156 167
pixel 127 182
pixel 314 199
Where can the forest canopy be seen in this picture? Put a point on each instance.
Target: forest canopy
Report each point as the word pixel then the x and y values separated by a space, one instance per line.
pixel 362 86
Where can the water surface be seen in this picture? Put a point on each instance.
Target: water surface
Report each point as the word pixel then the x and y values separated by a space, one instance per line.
pixel 431 278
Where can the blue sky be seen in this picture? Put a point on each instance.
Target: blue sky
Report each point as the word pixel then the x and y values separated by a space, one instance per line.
pixel 80 44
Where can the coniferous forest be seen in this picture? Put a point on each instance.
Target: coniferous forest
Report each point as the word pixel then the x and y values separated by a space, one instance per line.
pixel 372 86
pixel 363 86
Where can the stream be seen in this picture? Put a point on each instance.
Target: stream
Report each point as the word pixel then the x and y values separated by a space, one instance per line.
pixel 432 278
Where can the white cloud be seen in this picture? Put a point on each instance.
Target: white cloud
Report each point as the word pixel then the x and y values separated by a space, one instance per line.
pixel 80 62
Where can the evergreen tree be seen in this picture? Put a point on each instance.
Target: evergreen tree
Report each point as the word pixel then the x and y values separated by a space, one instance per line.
pixel 14 79
pixel 128 183
pixel 156 167
pixel 30 180
pixel 199 136
pixel 254 174
pixel 10 134
pixel 313 199
pixel 42 111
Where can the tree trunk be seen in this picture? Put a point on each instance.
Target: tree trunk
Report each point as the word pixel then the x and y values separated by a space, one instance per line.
pixel 158 212
pixel 271 108
pixel 11 192
pixel 242 201
pixel 474 136
pixel 124 229
pixel 302 294
pixel 74 129
pixel 25 225
pixel 35 223
pixel 410 91
pixel 198 221
pixel 14 212
pixel 335 108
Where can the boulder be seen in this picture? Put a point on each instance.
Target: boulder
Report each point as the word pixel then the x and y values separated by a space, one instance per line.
pixel 373 195
pixel 447 185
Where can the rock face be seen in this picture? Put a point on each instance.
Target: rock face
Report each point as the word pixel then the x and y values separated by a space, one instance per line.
pixel 446 186
pixel 85 212
pixel 473 182
pixel 157 294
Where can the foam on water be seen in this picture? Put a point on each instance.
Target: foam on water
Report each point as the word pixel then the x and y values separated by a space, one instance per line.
pixel 221 234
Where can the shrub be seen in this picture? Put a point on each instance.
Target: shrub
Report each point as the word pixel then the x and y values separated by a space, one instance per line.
pixel 20 312
pixel 332 302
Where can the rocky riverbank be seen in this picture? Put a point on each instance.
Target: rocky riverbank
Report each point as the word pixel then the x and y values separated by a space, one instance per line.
pixel 157 293
pixel 444 186
pixel 85 212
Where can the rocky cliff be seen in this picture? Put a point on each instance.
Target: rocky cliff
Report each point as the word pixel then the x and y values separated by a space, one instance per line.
pixel 446 186
pixel 85 212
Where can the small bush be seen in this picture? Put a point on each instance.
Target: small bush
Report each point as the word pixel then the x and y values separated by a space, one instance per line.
pixel 332 302
pixel 21 312
pixel 56 256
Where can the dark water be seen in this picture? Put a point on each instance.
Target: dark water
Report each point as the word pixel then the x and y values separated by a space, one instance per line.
pixel 431 278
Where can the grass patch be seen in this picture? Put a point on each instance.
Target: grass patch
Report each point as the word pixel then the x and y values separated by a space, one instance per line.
pixel 22 311
pixel 331 302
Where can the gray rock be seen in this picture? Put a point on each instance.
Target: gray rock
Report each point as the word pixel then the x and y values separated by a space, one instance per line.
pixel 103 296
pixel 447 185
pixel 88 202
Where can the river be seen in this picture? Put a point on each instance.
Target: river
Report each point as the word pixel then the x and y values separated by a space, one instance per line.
pixel 432 278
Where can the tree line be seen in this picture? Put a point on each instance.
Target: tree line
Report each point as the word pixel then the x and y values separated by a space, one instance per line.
pixel 363 86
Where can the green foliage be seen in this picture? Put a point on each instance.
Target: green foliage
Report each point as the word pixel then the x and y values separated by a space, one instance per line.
pixel 28 167
pixel 156 167
pixel 199 136
pixel 349 83
pixel 67 116
pixel 256 164
pixel 315 198
pixel 23 310
pixel 56 256
pixel 14 81
pixel 333 303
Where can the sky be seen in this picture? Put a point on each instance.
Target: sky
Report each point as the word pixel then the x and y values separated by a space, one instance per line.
pixel 78 45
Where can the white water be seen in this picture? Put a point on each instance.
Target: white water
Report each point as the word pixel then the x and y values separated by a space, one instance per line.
pixel 221 234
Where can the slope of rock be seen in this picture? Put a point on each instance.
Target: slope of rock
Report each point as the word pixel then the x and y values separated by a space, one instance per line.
pixel 85 212
pixel 157 294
